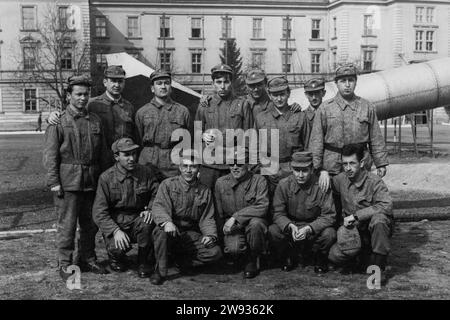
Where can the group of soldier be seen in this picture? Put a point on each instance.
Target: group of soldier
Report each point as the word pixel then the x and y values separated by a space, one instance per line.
pixel 110 168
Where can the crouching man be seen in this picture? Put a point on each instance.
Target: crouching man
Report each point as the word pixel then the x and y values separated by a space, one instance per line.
pixel 366 204
pixel 183 212
pixel 303 216
pixel 242 204
pixel 124 193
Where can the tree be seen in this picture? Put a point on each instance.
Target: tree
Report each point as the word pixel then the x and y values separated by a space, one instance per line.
pixel 56 50
pixel 231 55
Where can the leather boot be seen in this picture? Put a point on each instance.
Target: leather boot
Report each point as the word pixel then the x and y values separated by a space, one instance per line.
pixel 380 261
pixel 320 263
pixel 251 268
pixel 156 278
pixel 144 267
pixel 117 263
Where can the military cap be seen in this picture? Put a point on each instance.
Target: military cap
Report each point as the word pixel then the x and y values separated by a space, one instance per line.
pixel 158 74
pixel 82 79
pixel 114 72
pixel 301 159
pixel 348 244
pixel 277 84
pixel 314 84
pixel 255 76
pixel 222 68
pixel 123 145
pixel 346 70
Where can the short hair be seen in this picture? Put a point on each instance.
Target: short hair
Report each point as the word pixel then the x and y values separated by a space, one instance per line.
pixel 70 86
pixel 351 149
pixel 217 75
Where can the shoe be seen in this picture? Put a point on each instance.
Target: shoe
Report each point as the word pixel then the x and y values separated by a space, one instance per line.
pixel 156 278
pixel 117 265
pixel 320 263
pixel 251 268
pixel 144 268
pixel 380 261
pixel 93 266
pixel 64 274
pixel 288 264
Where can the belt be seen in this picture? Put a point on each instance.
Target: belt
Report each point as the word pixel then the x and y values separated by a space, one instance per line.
pixel 331 148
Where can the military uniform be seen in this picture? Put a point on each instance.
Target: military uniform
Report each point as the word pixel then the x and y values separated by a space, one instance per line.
pixel 222 114
pixel 340 122
pixel 190 207
pixel 292 128
pixel 247 201
pixel 367 199
pixel 74 158
pixel 121 197
pixel 155 123
pixel 312 85
pixel 256 106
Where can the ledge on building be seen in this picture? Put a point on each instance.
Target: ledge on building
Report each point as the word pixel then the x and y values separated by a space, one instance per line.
pixel 133 38
pixel 290 39
pixel 333 38
pixel 368 35
pixel 424 25
pixel 223 39
pixel 101 38
pixel 316 39
pixel 191 38
pixel 257 39
pixel 166 38
pixel 421 52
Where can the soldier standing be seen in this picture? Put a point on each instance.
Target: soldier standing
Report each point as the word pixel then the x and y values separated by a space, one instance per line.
pixel 314 91
pixel 125 193
pixel 242 203
pixel 74 158
pixel 183 212
pixel 155 123
pixel 303 216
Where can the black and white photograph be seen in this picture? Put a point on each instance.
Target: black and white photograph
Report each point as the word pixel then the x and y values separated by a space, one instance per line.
pixel 243 151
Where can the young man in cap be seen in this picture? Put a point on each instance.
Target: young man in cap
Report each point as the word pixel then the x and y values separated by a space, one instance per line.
pixel 74 158
pixel 224 111
pixel 116 113
pixel 155 123
pixel 366 204
pixel 292 127
pixel 314 91
pixel 303 216
pixel 345 119
pixel 125 194
pixel 183 212
pixel 242 203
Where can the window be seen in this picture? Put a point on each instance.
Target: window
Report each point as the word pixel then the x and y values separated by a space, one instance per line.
pixel 315 62
pixel 287 26
pixel 100 59
pixel 334 27
pixel 286 61
pixel 258 59
pixel 424 40
pixel 226 27
pixel 419 39
pixel 66 59
pixel 100 27
pixel 29 57
pixel 430 14
pixel 196 27
pixel 165 59
pixel 367 60
pixel 62 18
pixel 29 18
pixel 419 14
pixel 429 41
pixel 368 25
pixel 315 29
pixel 30 100
pixel 164 27
pixel 133 27
pixel 196 62
pixel 257 28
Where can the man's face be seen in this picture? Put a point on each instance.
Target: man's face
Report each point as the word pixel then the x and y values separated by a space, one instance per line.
pixel 79 96
pixel 302 174
pixel 315 97
pixel 188 170
pixel 238 170
pixel 114 86
pixel 257 89
pixel 280 98
pixel 346 86
pixel 161 87
pixel 127 159
pixel 222 86
pixel 352 166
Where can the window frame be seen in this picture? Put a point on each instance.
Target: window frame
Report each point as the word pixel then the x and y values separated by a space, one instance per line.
pixel 35 22
pixel 226 20
pixel 368 25
pixel 284 28
pixel 257 33
pixel 100 27
pixel 137 27
pixel 318 29
pixel 419 14
pixel 365 61
pixel 200 36
pixel 284 61
pixel 34 99
pixel 315 64
pixel 169 63
pixel 196 66
pixel 167 26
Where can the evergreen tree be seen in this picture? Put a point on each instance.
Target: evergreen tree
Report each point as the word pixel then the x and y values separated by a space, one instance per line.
pixel 231 55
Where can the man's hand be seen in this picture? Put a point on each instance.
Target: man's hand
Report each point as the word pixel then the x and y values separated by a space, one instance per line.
pixel 208 138
pixel 294 230
pixel 208 241
pixel 381 172
pixel 349 221
pixel 295 107
pixel 58 190
pixel 147 215
pixel 53 117
pixel 204 101
pixel 303 233
pixel 229 225
pixel 121 240
pixel 171 229
pixel 324 180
